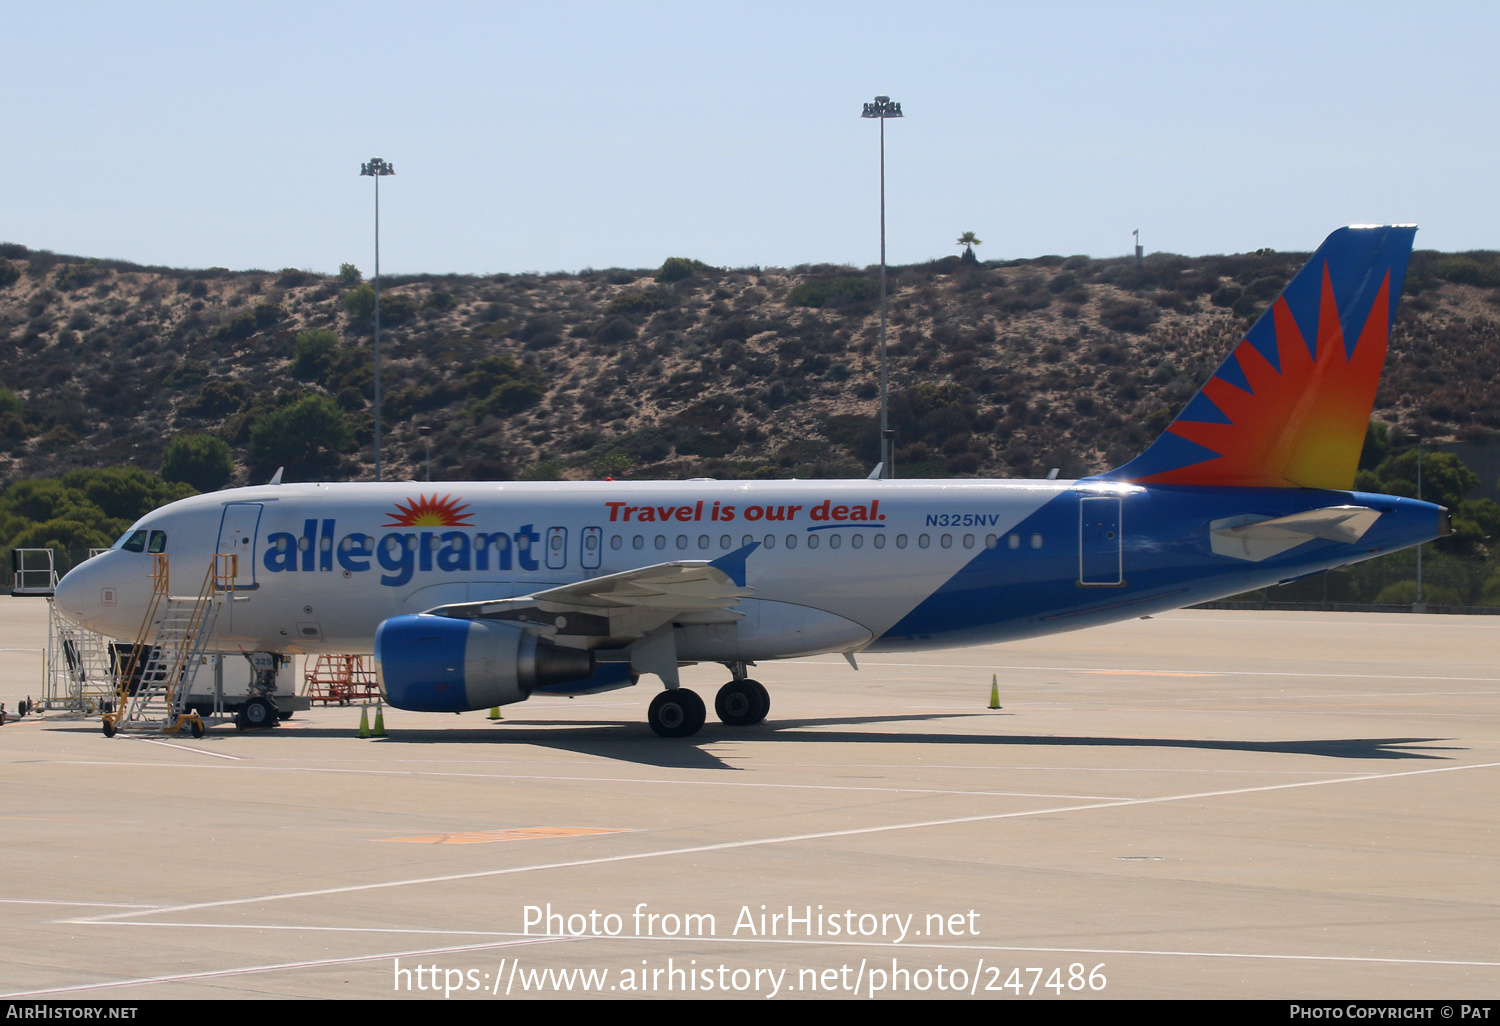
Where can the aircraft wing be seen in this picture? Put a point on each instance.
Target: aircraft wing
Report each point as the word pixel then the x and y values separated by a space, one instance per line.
pixel 1255 538
pixel 616 608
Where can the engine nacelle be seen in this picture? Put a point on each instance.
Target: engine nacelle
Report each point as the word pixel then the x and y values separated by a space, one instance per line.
pixel 442 664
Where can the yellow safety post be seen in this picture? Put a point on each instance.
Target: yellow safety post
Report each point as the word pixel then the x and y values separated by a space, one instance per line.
pixel 994 691
pixel 379 721
pixel 495 714
pixel 364 721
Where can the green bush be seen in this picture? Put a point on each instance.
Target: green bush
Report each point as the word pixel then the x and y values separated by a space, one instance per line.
pixel 304 437
pixel 312 353
pixel 1466 270
pixel 396 308
pixel 217 399
pixel 643 302
pixel 203 461
pixel 360 303
pixel 349 276
pixel 677 269
pixel 836 292
pixel 499 385
pixel 78 276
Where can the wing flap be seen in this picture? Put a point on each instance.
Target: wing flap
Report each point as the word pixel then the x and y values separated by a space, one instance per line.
pixel 618 607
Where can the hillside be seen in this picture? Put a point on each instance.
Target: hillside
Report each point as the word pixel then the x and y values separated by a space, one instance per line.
pixel 997 369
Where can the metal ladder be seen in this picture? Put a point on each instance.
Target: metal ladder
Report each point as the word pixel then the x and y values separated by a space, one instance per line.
pixel 79 674
pixel 154 684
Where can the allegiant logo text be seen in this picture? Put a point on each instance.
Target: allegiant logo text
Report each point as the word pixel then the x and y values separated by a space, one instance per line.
pixel 400 553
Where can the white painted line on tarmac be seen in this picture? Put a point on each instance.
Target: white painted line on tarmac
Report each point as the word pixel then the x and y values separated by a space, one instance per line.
pixel 183 748
pixel 277 967
pixel 784 839
pixel 872 662
pixel 89 904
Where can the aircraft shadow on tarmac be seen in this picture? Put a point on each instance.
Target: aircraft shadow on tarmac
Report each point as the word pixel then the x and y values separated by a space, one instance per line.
pixel 632 741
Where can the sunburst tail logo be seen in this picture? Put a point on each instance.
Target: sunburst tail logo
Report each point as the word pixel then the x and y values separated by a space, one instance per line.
pixel 430 512
pixel 1289 407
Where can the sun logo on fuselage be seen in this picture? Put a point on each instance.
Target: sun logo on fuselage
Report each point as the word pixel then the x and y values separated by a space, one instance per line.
pixel 430 512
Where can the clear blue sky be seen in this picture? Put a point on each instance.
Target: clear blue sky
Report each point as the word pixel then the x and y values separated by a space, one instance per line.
pixel 531 136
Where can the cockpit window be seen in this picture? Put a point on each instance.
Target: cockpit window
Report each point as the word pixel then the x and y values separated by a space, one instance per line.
pixel 158 542
pixel 135 541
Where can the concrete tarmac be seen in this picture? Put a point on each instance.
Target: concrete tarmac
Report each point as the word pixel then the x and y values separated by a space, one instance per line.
pixel 1206 804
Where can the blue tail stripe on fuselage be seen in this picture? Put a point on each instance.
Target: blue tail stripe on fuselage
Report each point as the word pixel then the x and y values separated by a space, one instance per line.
pixel 1003 594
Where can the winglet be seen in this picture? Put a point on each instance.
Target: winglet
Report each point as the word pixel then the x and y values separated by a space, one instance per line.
pixel 733 563
pixel 1290 406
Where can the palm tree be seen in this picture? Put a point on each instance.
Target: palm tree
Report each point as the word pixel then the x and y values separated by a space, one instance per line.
pixel 968 241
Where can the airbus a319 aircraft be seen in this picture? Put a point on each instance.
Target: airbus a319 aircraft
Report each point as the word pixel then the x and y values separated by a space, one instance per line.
pixel 480 594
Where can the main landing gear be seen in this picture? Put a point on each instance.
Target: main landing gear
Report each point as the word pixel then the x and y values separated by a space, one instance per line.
pixel 680 713
pixel 742 703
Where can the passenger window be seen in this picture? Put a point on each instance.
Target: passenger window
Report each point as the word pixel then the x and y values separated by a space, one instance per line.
pixel 158 542
pixel 769 543
pixel 900 541
pixel 858 541
pixel 1036 541
pixel 616 541
pixel 682 541
pixel 1014 541
pixel 791 541
pixel 968 541
pixel 812 541
pixel 725 542
pixel 947 541
pixel 750 540
pixel 703 541
pixel 880 541
pixel 135 542
pixel 990 541
pixel 638 542
pixel 661 541
pixel 923 541
pixel 834 541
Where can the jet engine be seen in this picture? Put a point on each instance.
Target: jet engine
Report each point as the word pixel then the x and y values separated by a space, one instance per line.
pixel 443 664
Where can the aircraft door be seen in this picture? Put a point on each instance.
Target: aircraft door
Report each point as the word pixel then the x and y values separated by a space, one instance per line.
pixel 557 548
pixel 237 536
pixel 589 548
pixel 1100 561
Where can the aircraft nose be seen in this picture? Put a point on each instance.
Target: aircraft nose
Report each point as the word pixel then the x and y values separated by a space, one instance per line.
pixel 76 596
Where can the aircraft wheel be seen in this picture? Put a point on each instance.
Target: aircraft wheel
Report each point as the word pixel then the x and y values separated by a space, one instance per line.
pixel 256 714
pixel 765 699
pixel 741 703
pixel 677 713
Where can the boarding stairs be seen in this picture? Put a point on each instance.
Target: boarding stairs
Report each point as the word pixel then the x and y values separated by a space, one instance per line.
pixel 154 683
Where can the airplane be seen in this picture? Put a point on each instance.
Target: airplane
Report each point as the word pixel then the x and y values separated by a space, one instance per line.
pixel 479 594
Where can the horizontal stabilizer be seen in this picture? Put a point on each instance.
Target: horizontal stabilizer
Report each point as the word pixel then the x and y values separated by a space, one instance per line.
pixel 1255 538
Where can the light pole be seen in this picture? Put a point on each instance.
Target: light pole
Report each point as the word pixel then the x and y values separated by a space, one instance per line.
pixel 883 108
pixel 377 169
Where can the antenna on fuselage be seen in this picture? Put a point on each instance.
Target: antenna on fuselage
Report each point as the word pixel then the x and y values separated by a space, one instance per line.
pixel 276 477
